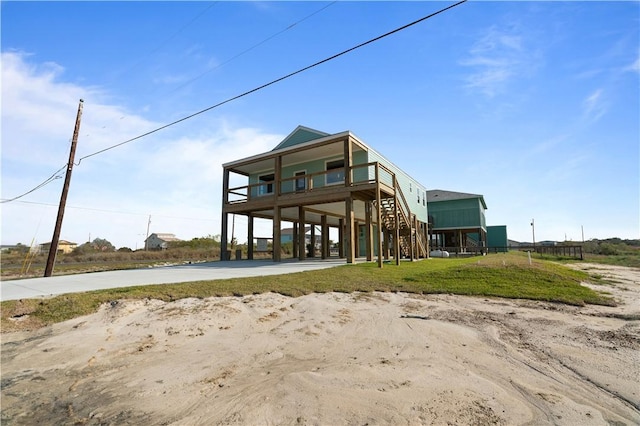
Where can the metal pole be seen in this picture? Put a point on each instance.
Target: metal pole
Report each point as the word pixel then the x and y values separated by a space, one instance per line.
pixel 146 244
pixel 533 231
pixel 53 249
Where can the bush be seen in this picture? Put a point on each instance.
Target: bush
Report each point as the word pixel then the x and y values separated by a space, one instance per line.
pixel 608 249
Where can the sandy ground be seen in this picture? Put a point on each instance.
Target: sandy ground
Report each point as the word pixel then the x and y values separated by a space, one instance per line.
pixel 332 359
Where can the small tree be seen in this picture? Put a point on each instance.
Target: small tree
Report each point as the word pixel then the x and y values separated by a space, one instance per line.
pixel 102 245
pixel 82 249
pixel 20 248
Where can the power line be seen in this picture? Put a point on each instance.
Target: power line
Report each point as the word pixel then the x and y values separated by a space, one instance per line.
pixel 118 211
pixel 251 48
pixel 47 181
pixel 290 26
pixel 424 18
pixel 344 52
pixel 141 59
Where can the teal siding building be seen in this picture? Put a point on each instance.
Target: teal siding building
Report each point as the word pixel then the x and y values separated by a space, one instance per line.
pixel 457 220
pixel 497 239
pixel 313 178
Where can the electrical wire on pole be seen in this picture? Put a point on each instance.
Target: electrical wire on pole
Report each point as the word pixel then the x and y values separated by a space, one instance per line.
pixel 277 80
pixel 53 248
pixel 248 92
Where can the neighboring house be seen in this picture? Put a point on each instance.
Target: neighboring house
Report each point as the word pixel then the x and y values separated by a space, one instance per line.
pixel 497 240
pixel 159 241
pixel 288 235
pixel 457 220
pixel 313 178
pixel 514 243
pixel 64 247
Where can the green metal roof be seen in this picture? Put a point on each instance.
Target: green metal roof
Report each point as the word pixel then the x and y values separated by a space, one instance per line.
pixel 436 195
pixel 300 135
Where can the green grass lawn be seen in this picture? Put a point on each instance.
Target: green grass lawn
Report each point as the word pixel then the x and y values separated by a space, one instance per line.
pixel 500 275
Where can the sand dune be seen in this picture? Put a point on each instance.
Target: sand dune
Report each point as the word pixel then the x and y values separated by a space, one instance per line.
pixel 331 359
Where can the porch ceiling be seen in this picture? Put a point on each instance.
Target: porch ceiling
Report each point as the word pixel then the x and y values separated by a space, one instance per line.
pixel 313 213
pixel 290 156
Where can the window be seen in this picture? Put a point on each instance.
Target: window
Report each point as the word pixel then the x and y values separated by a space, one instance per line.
pixel 301 183
pixel 336 172
pixel 267 187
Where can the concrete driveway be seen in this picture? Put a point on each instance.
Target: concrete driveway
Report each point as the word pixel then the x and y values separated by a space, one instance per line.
pixel 32 288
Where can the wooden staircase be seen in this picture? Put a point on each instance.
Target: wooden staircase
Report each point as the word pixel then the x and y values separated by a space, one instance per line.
pixel 410 234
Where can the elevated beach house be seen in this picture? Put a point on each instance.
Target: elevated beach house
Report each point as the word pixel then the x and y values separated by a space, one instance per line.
pixel 323 180
pixel 457 221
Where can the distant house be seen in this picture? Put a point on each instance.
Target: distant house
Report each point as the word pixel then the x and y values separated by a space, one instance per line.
pixel 289 234
pixel 514 243
pixel 456 219
pixel 64 247
pixel 497 240
pixel 158 241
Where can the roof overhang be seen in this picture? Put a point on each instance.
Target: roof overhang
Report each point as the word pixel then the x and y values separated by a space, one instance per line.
pixel 326 147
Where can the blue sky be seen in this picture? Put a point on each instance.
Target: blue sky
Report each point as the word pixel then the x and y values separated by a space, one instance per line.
pixel 535 105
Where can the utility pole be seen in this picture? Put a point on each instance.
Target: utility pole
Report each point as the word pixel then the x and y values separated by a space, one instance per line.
pixel 146 245
pixel 53 249
pixel 533 231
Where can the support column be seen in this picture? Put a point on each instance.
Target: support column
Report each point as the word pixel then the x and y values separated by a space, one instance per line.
pixel 379 216
pixel 356 238
pixel 414 242
pixel 324 229
pixel 348 162
pixel 225 216
pixel 294 240
pixel 350 231
pixel 250 237
pixel 312 252
pixel 302 249
pixel 277 176
pixel 341 254
pixel 368 212
pixel 396 234
pixel 277 235
pixel 386 249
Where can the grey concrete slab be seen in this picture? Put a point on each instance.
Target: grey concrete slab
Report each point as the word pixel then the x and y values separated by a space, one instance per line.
pixel 32 288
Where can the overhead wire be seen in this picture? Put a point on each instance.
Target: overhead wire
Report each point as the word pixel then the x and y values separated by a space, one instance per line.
pixel 251 48
pixel 248 92
pixel 118 211
pixel 47 181
pixel 54 177
pixel 141 59
pixel 193 79
pixel 197 77
pixel 219 66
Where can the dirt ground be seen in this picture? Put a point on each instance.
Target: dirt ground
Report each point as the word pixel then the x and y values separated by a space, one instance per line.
pixel 331 359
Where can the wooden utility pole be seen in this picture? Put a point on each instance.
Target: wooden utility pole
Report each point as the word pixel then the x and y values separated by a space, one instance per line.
pixel 146 244
pixel 53 249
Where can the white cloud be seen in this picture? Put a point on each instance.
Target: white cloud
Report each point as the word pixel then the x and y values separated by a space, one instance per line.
pixel 496 59
pixel 634 67
pixel 549 144
pixel 173 175
pixel 594 106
